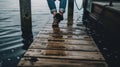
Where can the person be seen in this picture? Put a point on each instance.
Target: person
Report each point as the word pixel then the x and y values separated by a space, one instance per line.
pixel 57 16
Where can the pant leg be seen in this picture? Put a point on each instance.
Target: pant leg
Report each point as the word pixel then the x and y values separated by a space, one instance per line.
pixel 62 5
pixel 52 6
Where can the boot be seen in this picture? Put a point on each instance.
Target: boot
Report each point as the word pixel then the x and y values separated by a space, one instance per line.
pixel 57 19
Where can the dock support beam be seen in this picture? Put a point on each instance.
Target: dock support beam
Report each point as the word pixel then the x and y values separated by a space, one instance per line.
pixel 70 11
pixel 111 3
pixel 85 12
pixel 26 22
pixel 85 3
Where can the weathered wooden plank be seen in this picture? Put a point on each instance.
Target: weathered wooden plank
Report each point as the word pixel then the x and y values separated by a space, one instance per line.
pixel 26 62
pixel 66 36
pixel 69 37
pixel 80 42
pixel 75 37
pixel 71 42
pixel 63 31
pixel 63 46
pixel 65 28
pixel 81 27
pixel 78 55
pixel 63 24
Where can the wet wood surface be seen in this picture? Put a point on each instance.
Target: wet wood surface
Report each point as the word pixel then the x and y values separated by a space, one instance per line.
pixel 63 46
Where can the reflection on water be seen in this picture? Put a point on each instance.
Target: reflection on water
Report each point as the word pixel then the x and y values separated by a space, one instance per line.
pixel 56 42
pixel 56 32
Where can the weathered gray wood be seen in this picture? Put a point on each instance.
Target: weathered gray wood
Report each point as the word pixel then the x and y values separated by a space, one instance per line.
pixel 66 37
pixel 76 55
pixel 111 3
pixel 70 11
pixel 26 21
pixel 69 37
pixel 25 13
pixel 63 46
pixel 66 41
pixel 25 10
pixel 64 32
pixel 41 62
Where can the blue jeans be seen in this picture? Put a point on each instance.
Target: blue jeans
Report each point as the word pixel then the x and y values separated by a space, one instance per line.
pixel 52 6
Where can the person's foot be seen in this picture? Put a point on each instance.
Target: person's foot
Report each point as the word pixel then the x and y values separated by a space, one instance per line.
pixel 58 16
pixel 61 13
pixel 57 19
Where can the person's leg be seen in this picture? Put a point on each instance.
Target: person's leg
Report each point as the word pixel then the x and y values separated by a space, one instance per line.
pixel 52 6
pixel 62 7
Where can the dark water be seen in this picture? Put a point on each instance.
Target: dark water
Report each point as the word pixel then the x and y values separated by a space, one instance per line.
pixel 10 29
pixel 10 34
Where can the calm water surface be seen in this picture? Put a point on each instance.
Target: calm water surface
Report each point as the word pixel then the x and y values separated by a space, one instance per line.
pixel 10 29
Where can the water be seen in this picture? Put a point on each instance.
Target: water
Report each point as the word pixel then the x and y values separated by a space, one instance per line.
pixel 10 29
pixel 10 34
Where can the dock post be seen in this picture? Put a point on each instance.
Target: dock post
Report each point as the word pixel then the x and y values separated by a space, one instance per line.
pixel 70 11
pixel 111 3
pixel 85 8
pixel 85 12
pixel 26 22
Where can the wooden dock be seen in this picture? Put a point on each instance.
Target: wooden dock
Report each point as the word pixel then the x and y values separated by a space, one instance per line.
pixel 63 46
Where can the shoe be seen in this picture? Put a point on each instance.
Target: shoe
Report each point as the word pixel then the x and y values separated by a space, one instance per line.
pixel 56 22
pixel 58 16
pixel 57 19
